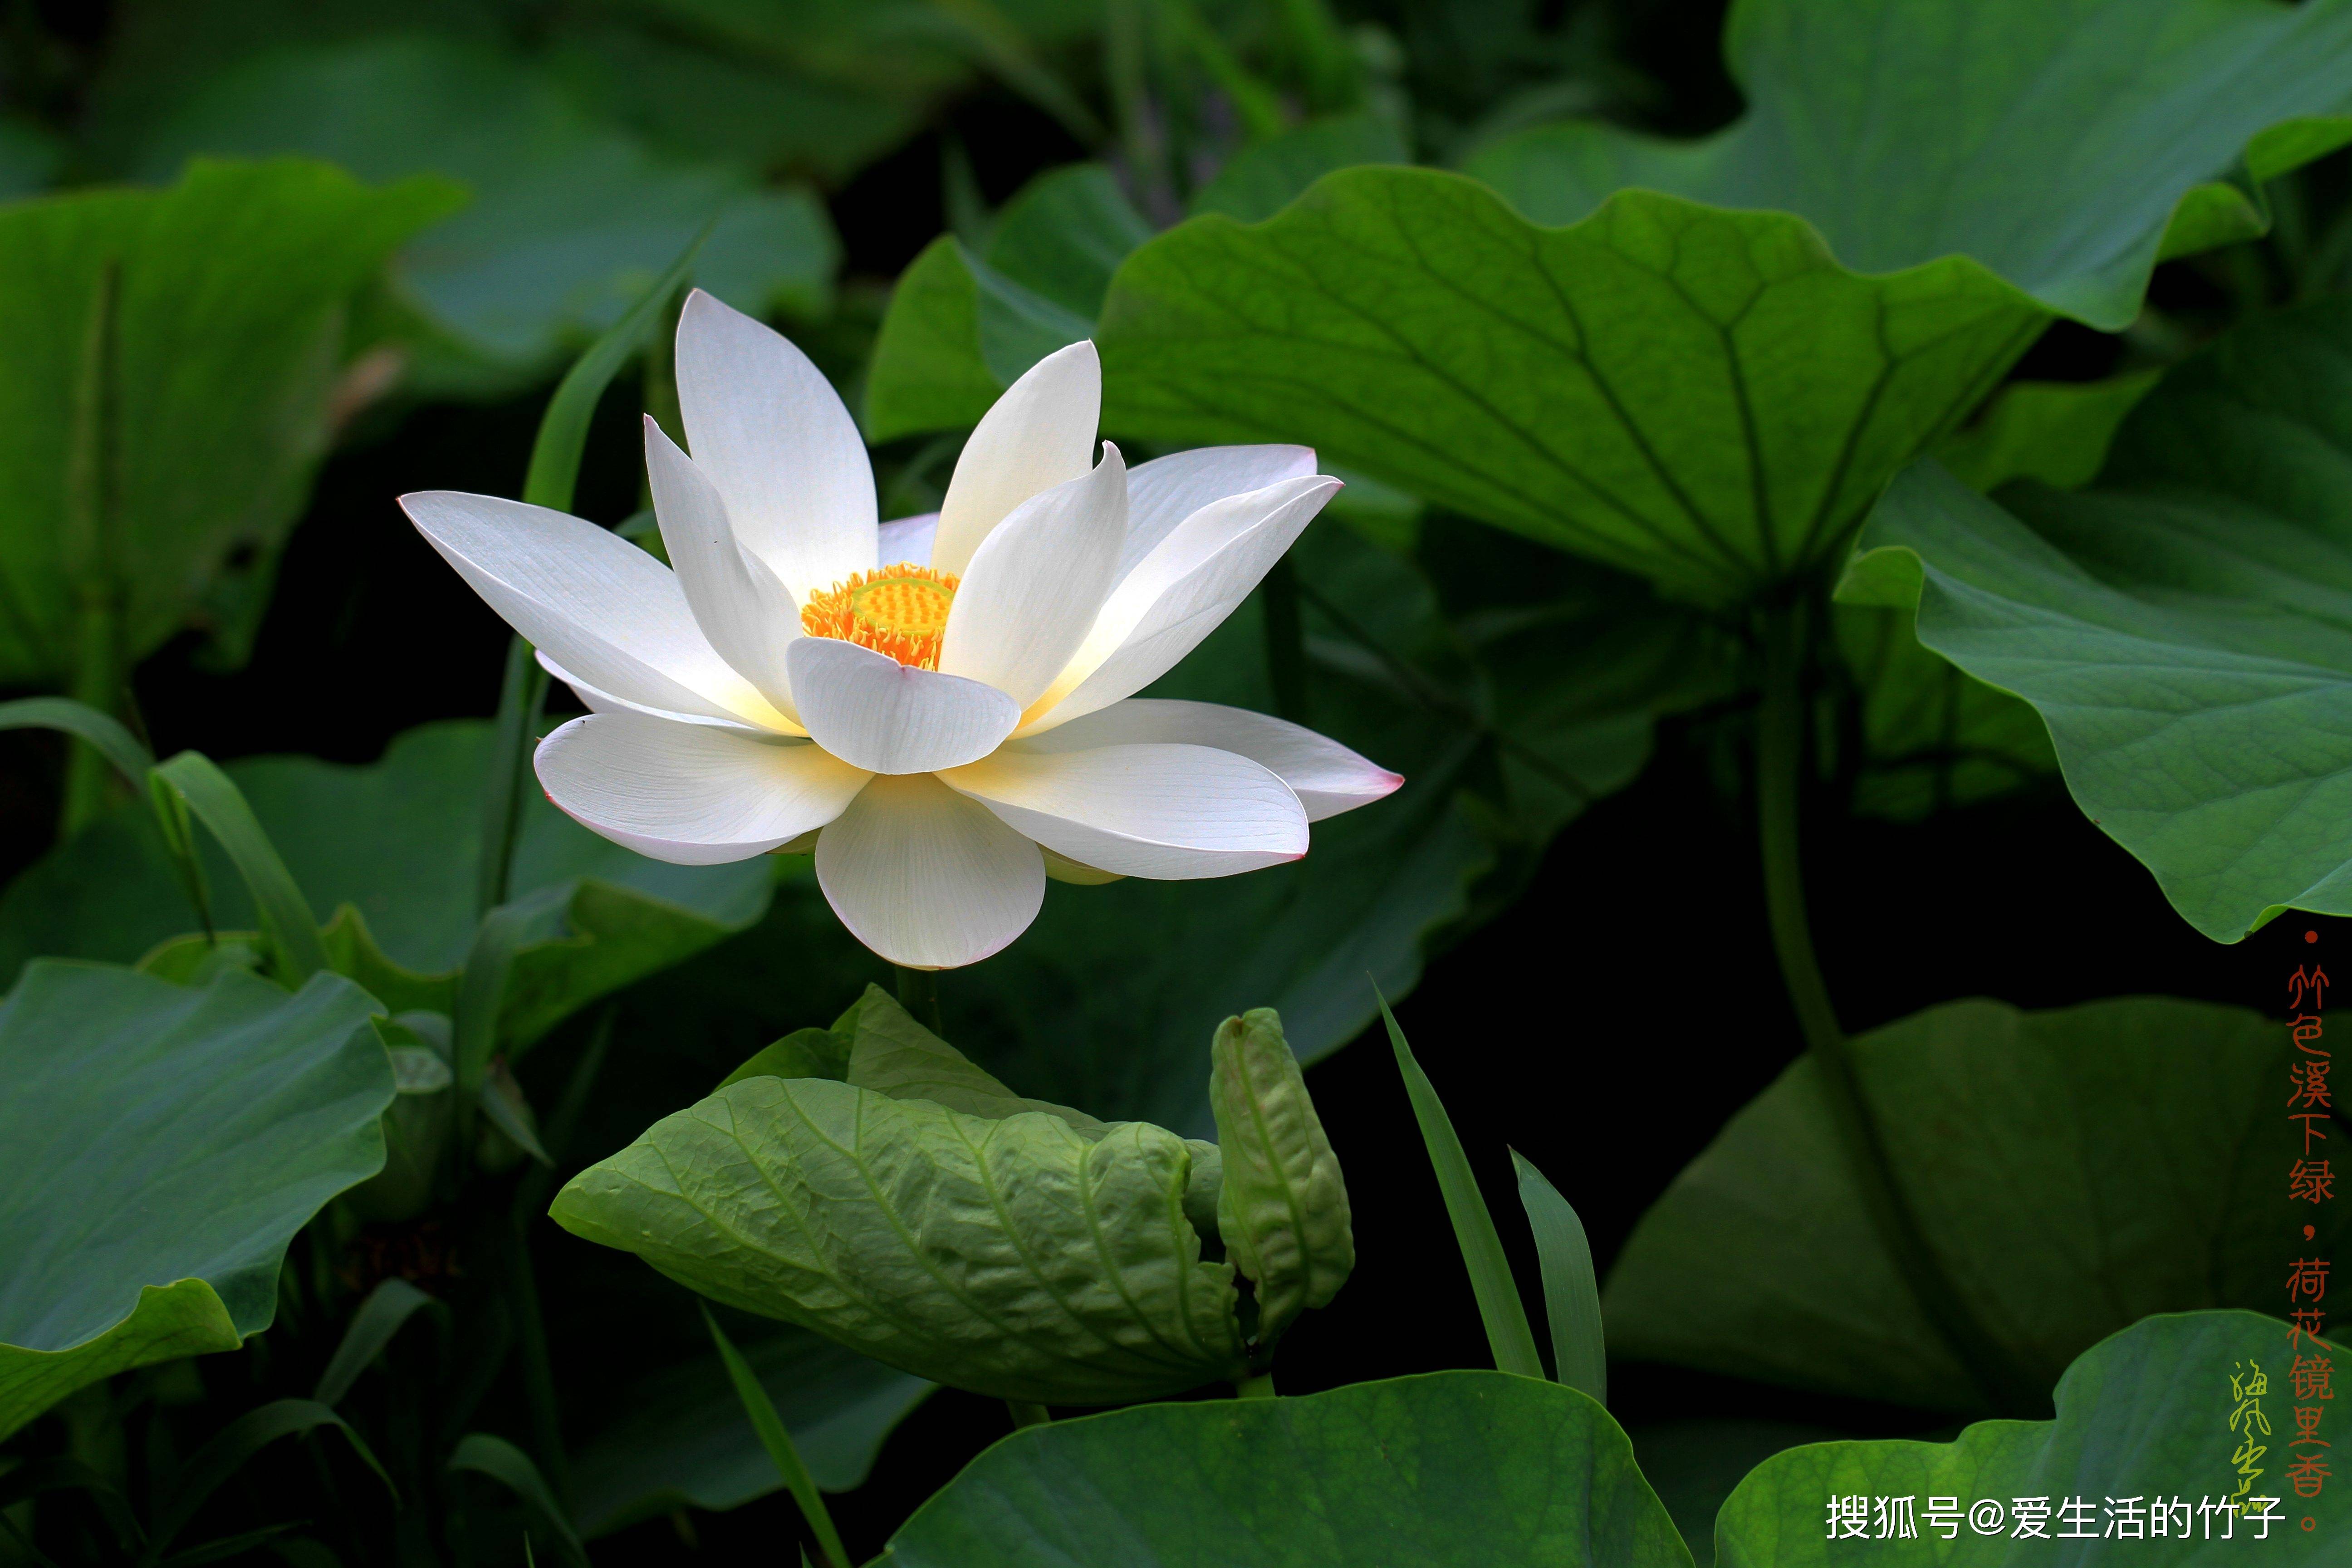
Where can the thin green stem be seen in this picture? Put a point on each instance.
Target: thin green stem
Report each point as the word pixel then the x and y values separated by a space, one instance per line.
pixel 91 551
pixel 1258 1387
pixel 1027 1415
pixel 522 699
pixel 1779 773
pixel 97 682
pixel 919 993
pixel 538 1369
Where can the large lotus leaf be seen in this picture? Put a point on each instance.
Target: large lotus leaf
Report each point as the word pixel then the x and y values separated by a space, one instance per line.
pixel 2184 626
pixel 2143 1429
pixel 1707 397
pixel 2064 144
pixel 1930 734
pixel 1446 1470
pixel 2073 1171
pixel 1014 1258
pixel 611 916
pixel 164 1145
pixel 1711 373
pixel 228 328
pixel 572 218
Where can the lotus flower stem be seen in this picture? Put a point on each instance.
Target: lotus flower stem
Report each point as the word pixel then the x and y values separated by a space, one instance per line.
pixel 1779 772
pixel 919 993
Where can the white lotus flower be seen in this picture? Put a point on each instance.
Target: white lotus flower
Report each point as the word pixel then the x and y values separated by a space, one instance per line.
pixel 943 702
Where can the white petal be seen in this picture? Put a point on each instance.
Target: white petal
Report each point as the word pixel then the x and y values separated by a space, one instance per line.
pixel 690 795
pixel 598 701
pixel 907 538
pixel 773 435
pixel 1166 491
pixel 601 607
pixel 926 877
pixel 1040 434
pixel 1326 777
pixel 1169 811
pixel 1036 582
pixel 750 617
pixel 874 713
pixel 1182 593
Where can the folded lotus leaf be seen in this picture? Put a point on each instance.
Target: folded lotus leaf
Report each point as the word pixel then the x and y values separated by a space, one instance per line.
pixel 1282 1209
pixel 1016 1257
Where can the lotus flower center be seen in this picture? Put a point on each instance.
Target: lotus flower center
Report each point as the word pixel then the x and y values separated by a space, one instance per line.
pixel 900 610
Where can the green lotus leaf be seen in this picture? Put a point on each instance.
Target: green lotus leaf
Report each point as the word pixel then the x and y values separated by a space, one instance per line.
pixel 165 1143
pixel 228 329
pixel 1445 1470
pixel 402 891
pixel 2073 1170
pixel 572 216
pixel 1710 373
pixel 2054 431
pixel 2184 626
pixel 1908 130
pixel 1706 397
pixel 2144 1427
pixel 1014 1258
pixel 1931 736
pixel 1282 1205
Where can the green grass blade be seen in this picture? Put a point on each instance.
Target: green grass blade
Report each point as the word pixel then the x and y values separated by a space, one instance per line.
pixel 1508 1333
pixel 512 1468
pixel 509 1121
pixel 106 734
pixel 388 1306
pixel 117 745
pixel 285 918
pixel 225 1453
pixel 778 1443
pixel 554 471
pixel 1571 1294
pixel 563 428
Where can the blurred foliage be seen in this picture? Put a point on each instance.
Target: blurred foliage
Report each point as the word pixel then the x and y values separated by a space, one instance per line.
pixel 1017 152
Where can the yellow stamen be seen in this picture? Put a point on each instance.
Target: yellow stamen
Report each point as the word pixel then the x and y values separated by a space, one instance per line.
pixel 900 610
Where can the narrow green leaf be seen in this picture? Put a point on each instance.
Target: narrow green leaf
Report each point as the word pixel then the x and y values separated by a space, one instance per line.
pixel 286 918
pixel 512 1468
pixel 170 809
pixel 224 1547
pixel 509 1121
pixel 132 759
pixel 1508 1333
pixel 388 1306
pixel 778 1440
pixel 29 1480
pixel 105 733
pixel 482 990
pixel 227 1453
pixel 1580 1352
pixel 563 428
